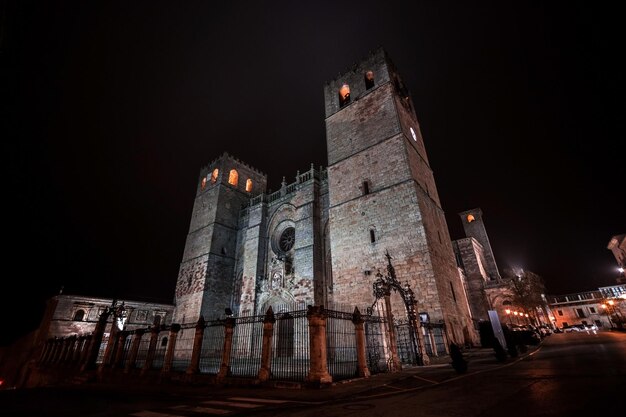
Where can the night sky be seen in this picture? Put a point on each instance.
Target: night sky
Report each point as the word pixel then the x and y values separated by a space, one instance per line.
pixel 111 109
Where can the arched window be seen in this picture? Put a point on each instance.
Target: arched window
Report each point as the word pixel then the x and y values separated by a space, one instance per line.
pixel 369 79
pixel 79 315
pixel 164 342
pixel 203 183
pixel 344 95
pixel 506 303
pixel 470 218
pixel 214 175
pixel 233 177
pixel 249 185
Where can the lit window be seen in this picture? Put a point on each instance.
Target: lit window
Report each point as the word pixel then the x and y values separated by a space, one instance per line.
pixel 233 177
pixel 248 185
pixel 344 95
pixel 369 80
pixel 470 218
pixel 214 175
pixel 203 184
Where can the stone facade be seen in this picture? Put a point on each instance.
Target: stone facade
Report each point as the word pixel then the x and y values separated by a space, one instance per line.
pixel 579 308
pixel 471 259
pixel 321 239
pixel 68 315
pixel 474 227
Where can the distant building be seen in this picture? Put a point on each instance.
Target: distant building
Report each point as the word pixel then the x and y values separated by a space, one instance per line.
pixel 605 307
pixel 68 315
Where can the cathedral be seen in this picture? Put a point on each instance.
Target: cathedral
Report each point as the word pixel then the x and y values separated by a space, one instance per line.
pixel 322 239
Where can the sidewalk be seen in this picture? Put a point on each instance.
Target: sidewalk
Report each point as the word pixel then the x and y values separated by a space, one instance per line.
pixel 408 379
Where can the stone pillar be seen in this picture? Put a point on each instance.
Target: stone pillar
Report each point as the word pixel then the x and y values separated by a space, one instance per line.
pixel 421 341
pixel 359 332
pixel 96 340
pixel 154 337
pixel 229 327
pixel 318 371
pixel 171 347
pixel 266 347
pixel 109 350
pixel 194 364
pixel 134 350
pixel 119 351
pixel 391 328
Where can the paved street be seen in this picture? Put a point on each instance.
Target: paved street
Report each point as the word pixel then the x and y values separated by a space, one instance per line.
pixel 570 374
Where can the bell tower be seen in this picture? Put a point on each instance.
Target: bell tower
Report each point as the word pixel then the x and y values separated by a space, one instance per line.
pixel 382 195
pixel 206 277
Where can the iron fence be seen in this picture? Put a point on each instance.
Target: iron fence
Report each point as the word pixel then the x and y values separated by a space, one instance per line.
pixel 161 348
pixel 245 356
pixel 376 344
pixel 341 345
pixel 126 350
pixel 142 352
pixel 290 345
pixel 184 348
pixel 212 346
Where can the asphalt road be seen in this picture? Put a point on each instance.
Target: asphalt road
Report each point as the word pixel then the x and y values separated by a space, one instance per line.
pixel 570 375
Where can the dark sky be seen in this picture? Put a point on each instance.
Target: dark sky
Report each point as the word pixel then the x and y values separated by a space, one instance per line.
pixel 110 110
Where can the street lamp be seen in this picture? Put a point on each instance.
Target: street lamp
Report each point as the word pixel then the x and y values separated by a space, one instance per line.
pixel 608 312
pixel 508 314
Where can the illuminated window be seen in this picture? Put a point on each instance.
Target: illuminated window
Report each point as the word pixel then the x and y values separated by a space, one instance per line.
pixel 214 175
pixel 470 218
pixel 79 315
pixel 369 80
pixel 203 184
pixel 248 185
pixel 344 95
pixel 233 177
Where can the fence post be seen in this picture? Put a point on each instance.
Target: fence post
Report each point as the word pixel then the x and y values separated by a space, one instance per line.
pixel 229 326
pixel 154 336
pixel 393 343
pixel 96 340
pixel 266 347
pixel 85 351
pixel 318 371
pixel 194 364
pixel 109 350
pixel 134 350
pixel 359 333
pixel 171 346
pixel 119 352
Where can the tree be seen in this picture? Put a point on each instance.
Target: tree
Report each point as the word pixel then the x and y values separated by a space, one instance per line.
pixel 527 289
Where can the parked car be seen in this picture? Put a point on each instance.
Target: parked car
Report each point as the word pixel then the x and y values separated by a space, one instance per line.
pixel 571 329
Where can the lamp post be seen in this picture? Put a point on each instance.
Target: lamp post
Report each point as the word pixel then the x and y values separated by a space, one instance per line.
pixel 607 310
